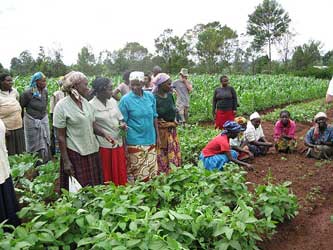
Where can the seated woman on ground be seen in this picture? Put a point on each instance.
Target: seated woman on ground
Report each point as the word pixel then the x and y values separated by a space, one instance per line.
pixel 239 144
pixel 255 137
pixel 218 152
pixel 284 133
pixel 319 138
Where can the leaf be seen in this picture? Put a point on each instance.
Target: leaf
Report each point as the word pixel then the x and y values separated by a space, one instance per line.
pixel 235 245
pixel 159 215
pixel 133 226
pixel 173 244
pixel 132 243
pixel 180 216
pixel 22 244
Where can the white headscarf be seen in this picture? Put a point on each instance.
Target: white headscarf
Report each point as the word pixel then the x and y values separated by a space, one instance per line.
pixel 137 75
pixel 255 115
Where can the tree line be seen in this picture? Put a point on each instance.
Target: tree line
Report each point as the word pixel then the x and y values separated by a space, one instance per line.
pixel 206 48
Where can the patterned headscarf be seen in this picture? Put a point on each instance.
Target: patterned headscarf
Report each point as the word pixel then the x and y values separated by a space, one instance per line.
pixel 33 83
pixel 161 78
pixel 231 127
pixel 240 120
pixel 70 80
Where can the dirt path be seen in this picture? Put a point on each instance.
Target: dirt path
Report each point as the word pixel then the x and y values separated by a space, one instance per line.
pixel 312 182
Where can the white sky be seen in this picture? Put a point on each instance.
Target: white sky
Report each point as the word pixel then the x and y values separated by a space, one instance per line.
pixel 107 24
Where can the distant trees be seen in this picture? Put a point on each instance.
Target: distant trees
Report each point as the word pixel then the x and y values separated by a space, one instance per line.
pixel 306 55
pixel 267 24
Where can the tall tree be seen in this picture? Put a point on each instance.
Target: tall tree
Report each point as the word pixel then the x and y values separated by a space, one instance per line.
pixel 214 45
pixel 86 61
pixel 328 58
pixel 267 24
pixel 23 65
pixel 174 50
pixel 306 55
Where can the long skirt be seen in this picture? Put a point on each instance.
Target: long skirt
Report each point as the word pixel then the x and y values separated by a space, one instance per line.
pixel 258 150
pixel 37 136
pixel 222 116
pixel 170 153
pixel 87 168
pixel 321 152
pixel 217 161
pixel 285 146
pixel 114 165
pixel 142 163
pixel 8 203
pixel 15 142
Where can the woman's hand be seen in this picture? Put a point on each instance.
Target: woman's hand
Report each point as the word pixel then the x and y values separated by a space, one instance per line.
pixel 123 126
pixel 109 138
pixel 249 167
pixel 68 168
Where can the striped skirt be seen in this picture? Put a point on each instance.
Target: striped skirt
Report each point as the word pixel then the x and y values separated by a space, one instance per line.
pixel 15 142
pixel 87 168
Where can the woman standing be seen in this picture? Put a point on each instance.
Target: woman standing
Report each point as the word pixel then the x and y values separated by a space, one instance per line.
pixel 8 202
pixel 75 122
pixel 169 149
pixel 224 103
pixel 124 87
pixel 139 110
pixel 10 113
pixel 36 121
pixel 109 117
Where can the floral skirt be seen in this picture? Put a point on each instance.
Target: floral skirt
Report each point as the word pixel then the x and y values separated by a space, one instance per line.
pixel 285 145
pixel 141 163
pixel 170 153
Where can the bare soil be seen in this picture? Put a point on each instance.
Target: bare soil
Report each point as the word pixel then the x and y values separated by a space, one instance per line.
pixel 312 182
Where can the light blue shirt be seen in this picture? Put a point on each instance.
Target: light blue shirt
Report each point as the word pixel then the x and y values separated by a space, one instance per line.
pixel 139 113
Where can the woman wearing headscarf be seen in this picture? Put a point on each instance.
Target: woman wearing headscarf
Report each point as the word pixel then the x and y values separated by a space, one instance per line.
pixel 8 202
pixel 109 117
pixel 319 139
pixel 239 144
pixel 255 137
pixel 218 152
pixel 169 149
pixel 124 87
pixel 36 122
pixel 76 128
pixel 139 111
pixel 10 113
pixel 224 103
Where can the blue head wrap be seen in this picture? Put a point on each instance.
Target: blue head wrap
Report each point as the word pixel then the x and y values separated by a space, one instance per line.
pixel 232 127
pixel 33 83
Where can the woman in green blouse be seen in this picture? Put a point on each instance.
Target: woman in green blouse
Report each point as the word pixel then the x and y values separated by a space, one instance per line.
pixel 169 149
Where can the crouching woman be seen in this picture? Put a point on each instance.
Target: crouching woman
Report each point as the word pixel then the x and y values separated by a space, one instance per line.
pixel 319 139
pixel 218 152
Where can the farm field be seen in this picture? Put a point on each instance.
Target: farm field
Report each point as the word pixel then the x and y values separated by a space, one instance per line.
pixel 192 208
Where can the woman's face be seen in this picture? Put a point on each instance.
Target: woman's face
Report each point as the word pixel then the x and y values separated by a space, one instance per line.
pixel 322 122
pixel 82 87
pixel 166 86
pixel 256 122
pixel 284 119
pixel 136 87
pixel 41 83
pixel 7 84
pixel 225 81
pixel 106 93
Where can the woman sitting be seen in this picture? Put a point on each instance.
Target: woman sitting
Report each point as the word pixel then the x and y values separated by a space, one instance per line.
pixel 319 138
pixel 284 133
pixel 239 144
pixel 255 137
pixel 218 152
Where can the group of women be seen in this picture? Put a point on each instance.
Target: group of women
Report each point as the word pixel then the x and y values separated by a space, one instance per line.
pixel 241 141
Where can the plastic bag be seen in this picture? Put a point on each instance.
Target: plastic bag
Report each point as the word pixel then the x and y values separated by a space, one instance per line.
pixel 74 185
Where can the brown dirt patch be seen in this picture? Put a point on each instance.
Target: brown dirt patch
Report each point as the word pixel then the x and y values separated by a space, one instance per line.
pixel 312 182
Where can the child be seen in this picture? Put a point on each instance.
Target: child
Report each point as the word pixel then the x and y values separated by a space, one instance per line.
pixel 284 133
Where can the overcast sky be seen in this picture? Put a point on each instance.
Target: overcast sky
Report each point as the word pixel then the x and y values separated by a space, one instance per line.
pixel 107 24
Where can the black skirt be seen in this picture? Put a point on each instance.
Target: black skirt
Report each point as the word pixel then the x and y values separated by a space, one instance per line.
pixel 8 203
pixel 15 142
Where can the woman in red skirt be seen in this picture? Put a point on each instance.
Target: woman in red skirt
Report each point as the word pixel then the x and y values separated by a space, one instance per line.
pixel 224 103
pixel 109 118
